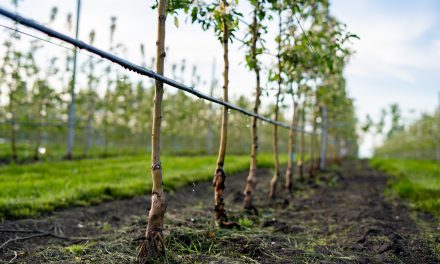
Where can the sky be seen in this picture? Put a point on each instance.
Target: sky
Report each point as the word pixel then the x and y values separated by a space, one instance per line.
pixel 397 58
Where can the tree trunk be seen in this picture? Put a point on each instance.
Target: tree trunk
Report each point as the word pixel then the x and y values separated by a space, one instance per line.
pixel 105 119
pixel 71 128
pixel 89 129
pixel 322 156
pixel 38 133
pixel 36 156
pixel 154 246
pixel 251 179
pixel 303 121
pixel 312 166
pixel 331 149
pixel 291 152
pixel 220 175
pixel 274 180
pixel 14 157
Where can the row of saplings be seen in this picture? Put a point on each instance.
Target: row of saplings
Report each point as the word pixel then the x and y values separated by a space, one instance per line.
pixel 222 17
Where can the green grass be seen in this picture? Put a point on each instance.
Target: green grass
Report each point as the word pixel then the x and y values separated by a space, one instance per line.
pixel 78 249
pixel 56 152
pixel 415 180
pixel 29 190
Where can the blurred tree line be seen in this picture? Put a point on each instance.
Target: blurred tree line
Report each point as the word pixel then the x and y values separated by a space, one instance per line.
pixel 418 140
pixel 113 109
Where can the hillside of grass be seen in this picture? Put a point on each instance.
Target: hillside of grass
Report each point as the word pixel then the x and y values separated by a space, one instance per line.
pixel 29 190
pixel 415 180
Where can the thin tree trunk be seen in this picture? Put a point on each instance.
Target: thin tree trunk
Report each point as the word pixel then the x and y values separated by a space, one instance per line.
pixel 154 245
pixel 37 142
pixel 12 130
pixel 105 119
pixel 38 132
pixel 220 175
pixel 88 139
pixel 291 152
pixel 322 156
pixel 303 120
pixel 71 128
pixel 274 180
pixel 312 147
pixel 251 179
pixel 331 148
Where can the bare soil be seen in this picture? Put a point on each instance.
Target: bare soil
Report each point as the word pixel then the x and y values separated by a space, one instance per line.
pixel 342 216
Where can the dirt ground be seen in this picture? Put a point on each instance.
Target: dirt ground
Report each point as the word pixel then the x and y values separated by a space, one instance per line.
pixel 342 216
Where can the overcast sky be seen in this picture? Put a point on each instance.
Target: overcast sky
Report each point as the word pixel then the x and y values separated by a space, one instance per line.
pixel 397 59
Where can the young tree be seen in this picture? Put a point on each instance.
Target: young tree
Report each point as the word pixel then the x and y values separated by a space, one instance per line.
pixel 220 175
pixel 91 98
pixel 44 97
pixel 290 169
pixel 17 92
pixel 313 139
pixel 154 246
pixel 273 182
pixel 395 120
pixel 253 64
pixel 6 69
pixel 71 134
pixel 295 64
pixel 106 104
pixel 12 76
pixel 222 16
pixel 302 138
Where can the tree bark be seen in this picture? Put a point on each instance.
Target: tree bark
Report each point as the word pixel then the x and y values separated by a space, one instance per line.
pixel 38 132
pixel 220 175
pixel 154 246
pixel 14 157
pixel 274 180
pixel 322 156
pixel 303 120
pixel 105 120
pixel 89 129
pixel 312 166
pixel 251 179
pixel 71 118
pixel 291 152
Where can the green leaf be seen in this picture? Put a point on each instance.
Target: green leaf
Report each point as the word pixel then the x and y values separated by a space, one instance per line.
pixel 194 12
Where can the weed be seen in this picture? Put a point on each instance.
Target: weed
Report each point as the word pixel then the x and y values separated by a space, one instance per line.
pixel 79 249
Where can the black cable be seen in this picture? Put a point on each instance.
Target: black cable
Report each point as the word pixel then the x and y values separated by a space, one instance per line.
pixel 131 66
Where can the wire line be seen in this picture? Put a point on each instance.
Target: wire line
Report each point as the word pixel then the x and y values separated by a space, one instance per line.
pixel 50 42
pixel 305 35
pixel 134 67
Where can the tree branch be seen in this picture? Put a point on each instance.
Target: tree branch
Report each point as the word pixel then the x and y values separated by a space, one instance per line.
pixel 39 234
